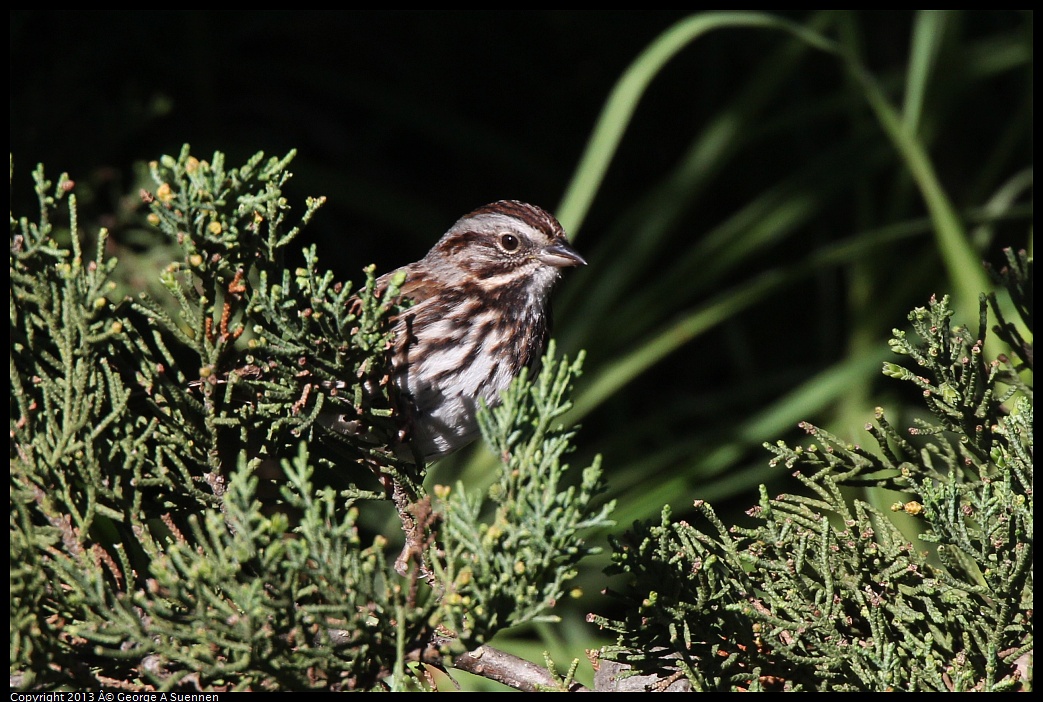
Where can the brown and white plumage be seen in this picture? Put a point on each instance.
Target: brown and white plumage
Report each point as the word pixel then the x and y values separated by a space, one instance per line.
pixel 480 314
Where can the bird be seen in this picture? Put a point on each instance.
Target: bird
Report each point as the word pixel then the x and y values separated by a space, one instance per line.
pixel 479 313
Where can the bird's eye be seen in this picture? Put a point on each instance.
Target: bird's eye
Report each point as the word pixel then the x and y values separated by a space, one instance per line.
pixel 509 242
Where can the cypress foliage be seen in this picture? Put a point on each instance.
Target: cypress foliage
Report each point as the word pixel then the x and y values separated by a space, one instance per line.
pixel 825 592
pixel 181 519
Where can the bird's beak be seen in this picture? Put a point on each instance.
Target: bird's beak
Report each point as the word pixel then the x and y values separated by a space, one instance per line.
pixel 560 255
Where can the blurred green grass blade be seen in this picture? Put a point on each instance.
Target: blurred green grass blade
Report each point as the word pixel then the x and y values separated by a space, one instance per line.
pixel 615 374
pixel 705 469
pixel 770 218
pixel 765 220
pixel 1002 204
pixel 646 498
pixel 618 373
pixel 631 245
pixel 961 260
pixel 928 32
pixel 627 93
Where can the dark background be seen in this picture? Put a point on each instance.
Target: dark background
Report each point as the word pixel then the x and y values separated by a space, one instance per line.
pixel 408 120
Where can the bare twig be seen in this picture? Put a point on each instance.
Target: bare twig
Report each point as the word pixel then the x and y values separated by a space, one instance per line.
pixel 509 670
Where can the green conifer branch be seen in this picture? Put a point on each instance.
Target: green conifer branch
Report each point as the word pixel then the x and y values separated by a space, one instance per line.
pixel 509 567
pixel 826 593
pixel 181 515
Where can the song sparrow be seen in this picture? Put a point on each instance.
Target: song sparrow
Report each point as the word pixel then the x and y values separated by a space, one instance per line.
pixel 480 314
